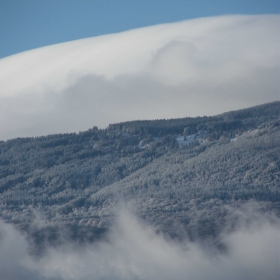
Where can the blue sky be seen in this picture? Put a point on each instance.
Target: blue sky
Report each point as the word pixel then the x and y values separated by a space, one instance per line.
pixel 29 24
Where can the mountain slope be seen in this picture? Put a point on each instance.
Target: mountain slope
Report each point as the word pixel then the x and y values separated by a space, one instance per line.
pixel 184 176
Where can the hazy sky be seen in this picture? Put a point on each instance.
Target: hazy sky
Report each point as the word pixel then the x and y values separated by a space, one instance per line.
pixel 29 24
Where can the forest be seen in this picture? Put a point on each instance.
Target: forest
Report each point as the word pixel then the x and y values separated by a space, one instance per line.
pixel 183 176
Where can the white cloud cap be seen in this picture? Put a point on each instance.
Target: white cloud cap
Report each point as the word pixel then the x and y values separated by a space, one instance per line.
pixel 197 67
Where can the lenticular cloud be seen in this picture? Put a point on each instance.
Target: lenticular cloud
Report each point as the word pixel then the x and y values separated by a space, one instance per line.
pixel 196 67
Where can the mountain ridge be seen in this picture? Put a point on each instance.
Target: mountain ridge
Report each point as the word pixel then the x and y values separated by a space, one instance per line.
pixel 163 169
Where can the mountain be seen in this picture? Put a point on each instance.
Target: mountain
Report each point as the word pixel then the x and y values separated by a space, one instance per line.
pixel 182 176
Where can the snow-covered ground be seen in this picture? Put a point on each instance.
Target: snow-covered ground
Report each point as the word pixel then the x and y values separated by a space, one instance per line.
pixel 184 140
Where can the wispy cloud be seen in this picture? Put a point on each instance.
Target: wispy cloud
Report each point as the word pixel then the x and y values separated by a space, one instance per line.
pixel 197 67
pixel 133 250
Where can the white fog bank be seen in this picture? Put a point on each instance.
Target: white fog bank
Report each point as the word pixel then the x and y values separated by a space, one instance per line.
pixel 134 251
pixel 196 67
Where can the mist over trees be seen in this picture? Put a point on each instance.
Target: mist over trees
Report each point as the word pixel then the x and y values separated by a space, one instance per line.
pixel 182 176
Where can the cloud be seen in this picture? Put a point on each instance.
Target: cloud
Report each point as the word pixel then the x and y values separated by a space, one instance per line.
pixel 197 67
pixel 133 250
pixel 13 251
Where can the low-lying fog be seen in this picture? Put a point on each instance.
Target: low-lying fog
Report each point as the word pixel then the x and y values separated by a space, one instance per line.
pixel 133 250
